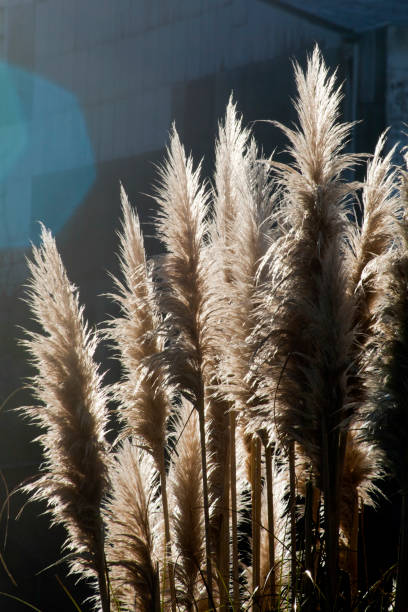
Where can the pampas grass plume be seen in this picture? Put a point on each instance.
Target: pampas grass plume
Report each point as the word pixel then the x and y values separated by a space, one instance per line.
pixel 186 501
pixel 134 530
pixel 143 392
pixel 186 297
pixel 71 412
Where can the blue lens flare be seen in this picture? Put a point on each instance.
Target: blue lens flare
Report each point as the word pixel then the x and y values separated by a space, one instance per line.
pixel 47 163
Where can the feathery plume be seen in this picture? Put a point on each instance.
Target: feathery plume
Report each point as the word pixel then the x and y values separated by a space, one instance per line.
pixel 186 500
pixel 380 208
pixel 385 415
pixel 377 233
pixel 252 237
pixel 182 227
pixel 316 146
pixel 71 413
pixel 144 390
pixel 230 150
pixel 186 296
pixel 238 232
pixel 134 530
pixel 369 250
pixel 313 241
pixel 308 344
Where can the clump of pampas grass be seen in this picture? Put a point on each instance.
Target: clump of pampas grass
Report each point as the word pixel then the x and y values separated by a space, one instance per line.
pixel 263 386
pixel 307 328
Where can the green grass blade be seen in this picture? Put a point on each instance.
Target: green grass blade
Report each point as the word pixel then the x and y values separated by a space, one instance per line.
pixel 62 585
pixel 6 569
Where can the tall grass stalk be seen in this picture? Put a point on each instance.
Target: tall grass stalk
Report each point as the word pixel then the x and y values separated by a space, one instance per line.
pixel 256 516
pixel 292 511
pixel 242 203
pixel 144 392
pixel 234 514
pixel 270 586
pixel 186 297
pixel 229 165
pixel 386 374
pixel 314 325
pixel 71 414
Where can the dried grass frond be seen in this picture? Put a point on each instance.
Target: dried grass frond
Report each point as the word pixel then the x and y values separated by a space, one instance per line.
pixel 231 142
pixel 239 241
pixel 144 391
pixel 380 232
pixel 316 145
pixel 186 501
pixel 71 411
pixel 229 189
pixel 385 278
pixel 187 296
pixel 368 261
pixel 238 233
pixel 363 466
pixel 380 211
pixel 305 332
pixel 135 532
pixel 306 317
pixel 386 366
pixel 255 230
pixel 186 268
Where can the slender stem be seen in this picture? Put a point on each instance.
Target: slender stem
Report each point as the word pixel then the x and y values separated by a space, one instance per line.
pixel 353 552
pixel 170 567
pixel 401 598
pixel 256 514
pixel 331 556
pixel 307 585
pixel 271 523
pixel 223 549
pixel 200 408
pixel 104 594
pixel 331 483
pixel 234 516
pixel 156 606
pixel 309 525
pixel 364 548
pixel 292 507
pixel 101 570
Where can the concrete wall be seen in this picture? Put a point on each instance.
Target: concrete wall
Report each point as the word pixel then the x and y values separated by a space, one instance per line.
pixel 122 58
